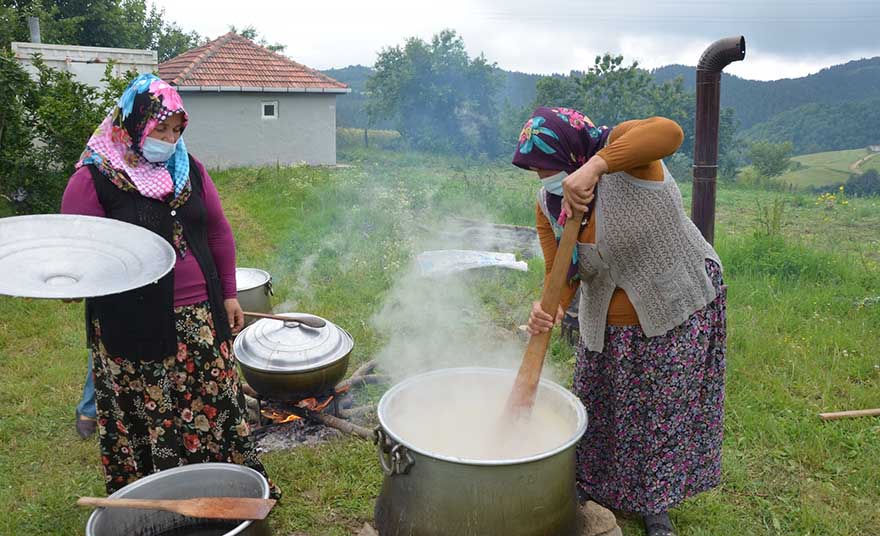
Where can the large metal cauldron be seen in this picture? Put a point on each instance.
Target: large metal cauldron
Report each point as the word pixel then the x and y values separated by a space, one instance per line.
pixel 290 361
pixel 430 494
pixel 197 480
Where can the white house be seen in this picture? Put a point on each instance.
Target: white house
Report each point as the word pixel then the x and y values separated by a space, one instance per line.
pixel 86 63
pixel 250 106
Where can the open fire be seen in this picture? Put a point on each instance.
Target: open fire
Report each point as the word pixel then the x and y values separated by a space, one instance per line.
pixel 278 424
pixel 282 412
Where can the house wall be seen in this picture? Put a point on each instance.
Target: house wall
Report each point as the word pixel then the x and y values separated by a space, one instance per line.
pixel 226 129
pixel 86 63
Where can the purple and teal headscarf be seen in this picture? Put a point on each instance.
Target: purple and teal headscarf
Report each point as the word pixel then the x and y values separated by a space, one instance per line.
pixel 115 146
pixel 558 139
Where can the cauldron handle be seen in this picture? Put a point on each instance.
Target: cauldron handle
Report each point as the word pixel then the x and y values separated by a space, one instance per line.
pixel 395 460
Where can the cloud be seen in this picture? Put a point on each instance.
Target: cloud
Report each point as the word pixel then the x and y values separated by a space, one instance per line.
pixel 784 38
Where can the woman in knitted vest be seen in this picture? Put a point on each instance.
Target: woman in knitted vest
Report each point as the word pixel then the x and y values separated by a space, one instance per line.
pixel 651 358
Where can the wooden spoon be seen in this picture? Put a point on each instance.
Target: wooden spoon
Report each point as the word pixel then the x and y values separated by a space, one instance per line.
pixel 243 508
pixel 519 404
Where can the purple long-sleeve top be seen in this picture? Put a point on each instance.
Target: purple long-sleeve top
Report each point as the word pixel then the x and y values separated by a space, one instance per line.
pixel 190 287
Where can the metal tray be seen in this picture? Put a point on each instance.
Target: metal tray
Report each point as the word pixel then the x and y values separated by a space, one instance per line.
pixel 70 257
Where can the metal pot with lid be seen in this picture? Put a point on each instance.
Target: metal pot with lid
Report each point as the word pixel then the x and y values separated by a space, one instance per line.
pixel 254 286
pixel 290 360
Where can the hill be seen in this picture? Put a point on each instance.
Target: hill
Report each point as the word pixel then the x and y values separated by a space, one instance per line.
pixel 818 127
pixel 755 101
pixel 836 108
pixel 819 169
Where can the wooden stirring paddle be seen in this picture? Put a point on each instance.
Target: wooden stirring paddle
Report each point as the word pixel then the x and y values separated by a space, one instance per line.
pixel 244 508
pixel 522 397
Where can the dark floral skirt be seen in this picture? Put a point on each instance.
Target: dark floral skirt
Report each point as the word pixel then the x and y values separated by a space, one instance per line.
pixel 656 411
pixel 187 408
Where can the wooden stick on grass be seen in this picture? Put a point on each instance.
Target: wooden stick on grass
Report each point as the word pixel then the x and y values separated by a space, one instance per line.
pixel 849 414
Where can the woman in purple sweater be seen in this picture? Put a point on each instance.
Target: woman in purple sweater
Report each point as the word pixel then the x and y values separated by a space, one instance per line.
pixel 167 389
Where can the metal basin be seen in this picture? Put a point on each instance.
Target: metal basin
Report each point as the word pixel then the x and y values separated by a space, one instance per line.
pixel 427 493
pixel 197 480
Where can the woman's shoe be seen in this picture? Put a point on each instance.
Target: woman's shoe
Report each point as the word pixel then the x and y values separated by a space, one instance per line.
pixel 86 426
pixel 658 525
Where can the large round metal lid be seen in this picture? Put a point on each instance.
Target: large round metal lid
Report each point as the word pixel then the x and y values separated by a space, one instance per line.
pixel 248 278
pixel 277 346
pixel 70 256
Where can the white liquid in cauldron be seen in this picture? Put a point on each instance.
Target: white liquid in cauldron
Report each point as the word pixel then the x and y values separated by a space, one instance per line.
pixel 462 417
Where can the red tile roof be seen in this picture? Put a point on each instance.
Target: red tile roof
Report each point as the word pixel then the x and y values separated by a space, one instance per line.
pixel 234 61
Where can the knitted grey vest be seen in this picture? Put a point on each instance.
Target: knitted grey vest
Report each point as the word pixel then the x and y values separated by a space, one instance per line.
pixel 646 245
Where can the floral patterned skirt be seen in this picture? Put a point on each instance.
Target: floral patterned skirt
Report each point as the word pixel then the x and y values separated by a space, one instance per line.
pixel 656 409
pixel 187 408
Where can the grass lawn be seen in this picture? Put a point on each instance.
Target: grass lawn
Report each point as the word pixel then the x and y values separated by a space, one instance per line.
pixel 802 340
pixel 819 169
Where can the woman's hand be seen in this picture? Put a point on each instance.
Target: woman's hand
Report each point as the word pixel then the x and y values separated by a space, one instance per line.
pixel 540 322
pixel 235 314
pixel 578 187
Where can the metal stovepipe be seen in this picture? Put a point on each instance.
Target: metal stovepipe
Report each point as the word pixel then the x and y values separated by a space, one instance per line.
pixel 714 59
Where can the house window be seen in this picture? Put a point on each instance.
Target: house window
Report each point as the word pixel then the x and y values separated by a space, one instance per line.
pixel 270 109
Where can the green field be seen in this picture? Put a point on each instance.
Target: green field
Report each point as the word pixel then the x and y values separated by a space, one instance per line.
pixel 819 169
pixel 803 339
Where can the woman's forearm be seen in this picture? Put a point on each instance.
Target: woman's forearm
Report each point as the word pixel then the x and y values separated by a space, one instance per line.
pixel 642 142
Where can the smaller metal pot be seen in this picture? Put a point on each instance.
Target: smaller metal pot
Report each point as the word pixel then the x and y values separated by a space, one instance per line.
pixel 187 482
pixel 254 287
pixel 289 360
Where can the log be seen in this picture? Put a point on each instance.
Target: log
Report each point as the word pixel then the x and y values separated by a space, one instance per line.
pixel 360 381
pixel 334 422
pixel 364 369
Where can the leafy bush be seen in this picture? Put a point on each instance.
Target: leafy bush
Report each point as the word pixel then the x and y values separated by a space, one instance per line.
pixel 44 125
pixel 865 185
pixel 771 159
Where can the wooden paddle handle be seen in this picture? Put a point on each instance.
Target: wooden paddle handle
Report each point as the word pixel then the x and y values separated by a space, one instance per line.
pixel 305 320
pixel 149 504
pixel 851 413
pixel 526 386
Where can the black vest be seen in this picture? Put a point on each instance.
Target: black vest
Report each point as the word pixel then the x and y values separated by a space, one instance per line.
pixel 140 324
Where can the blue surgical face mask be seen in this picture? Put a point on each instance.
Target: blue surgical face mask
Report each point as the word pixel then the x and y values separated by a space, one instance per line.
pixel 155 150
pixel 553 183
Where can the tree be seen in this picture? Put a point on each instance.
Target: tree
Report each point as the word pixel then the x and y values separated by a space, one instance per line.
pixel 610 92
pixel 251 33
pixel 44 125
pixel 565 91
pixel 771 159
pixel 864 185
pixel 439 98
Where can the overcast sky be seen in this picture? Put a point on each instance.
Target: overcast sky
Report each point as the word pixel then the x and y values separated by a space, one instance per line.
pixel 784 38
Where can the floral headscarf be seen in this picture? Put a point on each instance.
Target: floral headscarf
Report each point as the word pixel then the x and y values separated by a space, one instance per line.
pixel 558 139
pixel 115 146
